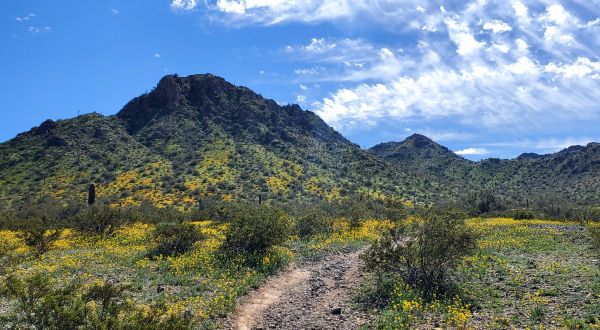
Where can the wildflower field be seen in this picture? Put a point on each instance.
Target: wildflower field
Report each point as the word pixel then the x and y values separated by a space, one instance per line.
pixel 202 283
pixel 525 274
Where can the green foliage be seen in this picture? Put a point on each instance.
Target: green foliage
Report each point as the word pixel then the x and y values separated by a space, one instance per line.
pixel 595 235
pixel 538 312
pixel 39 238
pixel 313 223
pixel 101 220
pixel 174 238
pixel 254 230
pixel 8 257
pixel 37 225
pixel 424 252
pixel 40 304
pixel 523 214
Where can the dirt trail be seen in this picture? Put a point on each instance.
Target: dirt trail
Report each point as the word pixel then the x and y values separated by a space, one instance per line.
pixel 315 295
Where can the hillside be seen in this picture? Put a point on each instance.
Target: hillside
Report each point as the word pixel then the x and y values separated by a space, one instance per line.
pixel 193 137
pixel 198 136
pixel 570 175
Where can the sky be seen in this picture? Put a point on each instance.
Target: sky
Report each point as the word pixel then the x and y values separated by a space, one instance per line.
pixel 486 78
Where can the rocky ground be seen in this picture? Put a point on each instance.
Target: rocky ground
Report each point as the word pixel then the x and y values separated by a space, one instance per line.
pixel 312 295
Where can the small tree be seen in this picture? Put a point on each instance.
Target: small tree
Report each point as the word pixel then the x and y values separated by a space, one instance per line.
pixel 423 252
pixel 37 224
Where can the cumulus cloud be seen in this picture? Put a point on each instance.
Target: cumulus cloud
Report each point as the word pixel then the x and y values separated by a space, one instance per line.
pixel 497 26
pixel 493 64
pixel 472 151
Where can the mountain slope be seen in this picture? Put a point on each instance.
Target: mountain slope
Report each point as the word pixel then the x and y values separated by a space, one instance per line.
pixel 198 136
pixel 570 175
pixel 193 137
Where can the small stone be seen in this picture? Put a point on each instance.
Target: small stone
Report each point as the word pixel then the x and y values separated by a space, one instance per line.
pixel 336 310
pixel 160 289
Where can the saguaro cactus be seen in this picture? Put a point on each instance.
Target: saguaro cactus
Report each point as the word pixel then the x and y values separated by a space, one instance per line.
pixel 91 194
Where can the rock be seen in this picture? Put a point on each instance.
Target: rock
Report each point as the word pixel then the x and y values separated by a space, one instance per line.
pixel 336 310
pixel 160 289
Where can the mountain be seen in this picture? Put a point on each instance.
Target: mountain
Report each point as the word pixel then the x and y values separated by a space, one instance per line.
pixel 193 137
pixel 198 136
pixel 570 175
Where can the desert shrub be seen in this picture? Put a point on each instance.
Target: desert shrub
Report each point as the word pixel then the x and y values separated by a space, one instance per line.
pixel 482 202
pixel 174 238
pixel 523 214
pixel 36 227
pixel 100 220
pixel 8 257
pixel 424 251
pixel 253 230
pixel 41 304
pixel 39 238
pixel 314 223
pixel 595 235
pixel 149 213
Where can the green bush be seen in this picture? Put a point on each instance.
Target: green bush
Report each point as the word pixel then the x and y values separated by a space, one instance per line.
pixel 424 252
pixel 595 235
pixel 100 220
pixel 8 257
pixel 314 223
pixel 174 238
pixel 523 214
pixel 253 230
pixel 40 304
pixel 39 238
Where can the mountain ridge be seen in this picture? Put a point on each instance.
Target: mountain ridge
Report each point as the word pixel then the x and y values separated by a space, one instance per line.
pixel 198 136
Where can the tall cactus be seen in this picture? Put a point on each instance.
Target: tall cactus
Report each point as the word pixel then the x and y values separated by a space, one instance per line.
pixel 91 194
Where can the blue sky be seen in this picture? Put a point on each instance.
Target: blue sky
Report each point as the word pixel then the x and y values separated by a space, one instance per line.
pixel 487 78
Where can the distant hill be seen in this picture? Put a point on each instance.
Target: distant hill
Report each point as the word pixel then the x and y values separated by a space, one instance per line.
pixel 198 136
pixel 572 174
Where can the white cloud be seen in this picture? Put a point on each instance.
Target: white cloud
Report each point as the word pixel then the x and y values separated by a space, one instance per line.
pixel 25 18
pixel 300 98
pixel 184 4
pixel 114 11
pixel 460 34
pixel 497 26
pixel 520 93
pixel 267 12
pixel 581 68
pixel 157 55
pixel 472 151
pixel 34 30
pixel 488 64
pixel 544 145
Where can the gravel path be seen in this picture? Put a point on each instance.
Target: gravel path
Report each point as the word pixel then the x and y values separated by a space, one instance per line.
pixel 315 295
